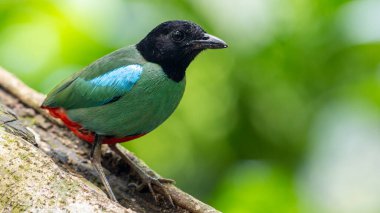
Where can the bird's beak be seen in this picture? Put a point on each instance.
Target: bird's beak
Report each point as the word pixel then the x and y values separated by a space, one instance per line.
pixel 209 42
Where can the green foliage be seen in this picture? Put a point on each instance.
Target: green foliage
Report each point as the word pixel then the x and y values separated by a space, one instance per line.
pixel 254 187
pixel 261 99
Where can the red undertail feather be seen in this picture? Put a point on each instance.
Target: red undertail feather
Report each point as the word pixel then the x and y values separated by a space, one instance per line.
pixel 81 132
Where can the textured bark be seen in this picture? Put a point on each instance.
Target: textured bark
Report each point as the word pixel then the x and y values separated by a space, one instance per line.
pixel 43 167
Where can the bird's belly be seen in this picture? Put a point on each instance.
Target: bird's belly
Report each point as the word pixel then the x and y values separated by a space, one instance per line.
pixel 139 112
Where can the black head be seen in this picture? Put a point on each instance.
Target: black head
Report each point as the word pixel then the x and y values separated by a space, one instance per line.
pixel 174 44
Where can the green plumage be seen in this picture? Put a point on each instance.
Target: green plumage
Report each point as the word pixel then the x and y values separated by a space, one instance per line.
pixel 139 110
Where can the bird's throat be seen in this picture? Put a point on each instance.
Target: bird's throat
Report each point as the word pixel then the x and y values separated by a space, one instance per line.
pixel 174 65
pixel 175 69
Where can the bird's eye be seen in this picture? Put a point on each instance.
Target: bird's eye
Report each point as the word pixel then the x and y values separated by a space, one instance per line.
pixel 178 35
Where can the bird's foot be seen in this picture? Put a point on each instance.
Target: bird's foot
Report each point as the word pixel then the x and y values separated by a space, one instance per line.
pixel 154 183
pixel 148 178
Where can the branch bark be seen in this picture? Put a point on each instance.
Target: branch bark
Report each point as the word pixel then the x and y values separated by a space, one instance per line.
pixel 58 174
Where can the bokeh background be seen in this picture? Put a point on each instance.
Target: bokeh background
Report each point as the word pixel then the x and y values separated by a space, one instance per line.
pixel 287 119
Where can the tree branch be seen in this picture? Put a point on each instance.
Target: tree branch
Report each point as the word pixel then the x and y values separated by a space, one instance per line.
pixel 50 176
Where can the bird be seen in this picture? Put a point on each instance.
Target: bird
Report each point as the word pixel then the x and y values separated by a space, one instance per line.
pixel 129 92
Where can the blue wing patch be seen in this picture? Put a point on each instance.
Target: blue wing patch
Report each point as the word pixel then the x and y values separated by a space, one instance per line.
pixel 106 88
pixel 122 78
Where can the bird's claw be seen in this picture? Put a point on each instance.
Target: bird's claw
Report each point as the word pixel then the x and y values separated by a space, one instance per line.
pixel 157 182
pixel 166 180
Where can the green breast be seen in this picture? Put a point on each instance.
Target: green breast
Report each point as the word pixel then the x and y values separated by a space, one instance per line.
pixel 151 101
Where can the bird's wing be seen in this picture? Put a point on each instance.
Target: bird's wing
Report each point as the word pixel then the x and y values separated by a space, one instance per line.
pixel 91 88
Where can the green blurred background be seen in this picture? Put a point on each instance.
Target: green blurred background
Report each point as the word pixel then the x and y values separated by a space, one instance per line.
pixel 287 119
